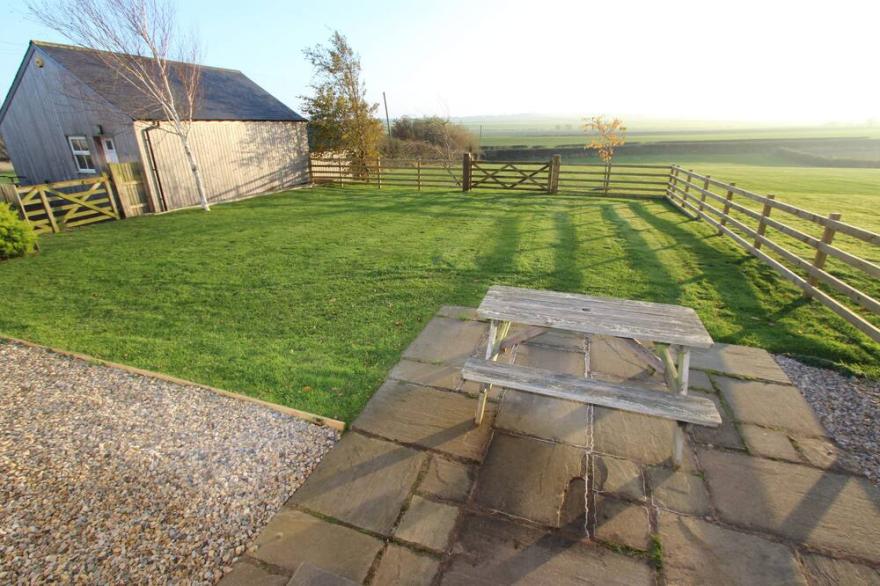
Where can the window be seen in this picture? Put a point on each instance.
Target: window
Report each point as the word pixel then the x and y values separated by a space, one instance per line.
pixel 79 146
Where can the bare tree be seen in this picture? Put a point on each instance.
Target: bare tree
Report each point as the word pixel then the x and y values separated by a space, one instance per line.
pixel 139 41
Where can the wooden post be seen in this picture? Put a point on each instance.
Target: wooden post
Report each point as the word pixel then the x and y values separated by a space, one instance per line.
pixel 762 227
pixel 419 173
pixel 673 175
pixel 553 179
pixel 821 256
pixel 21 209
pixel 311 173
pixel 48 209
pixel 681 381
pixel 727 201
pixel 466 164
pixel 687 188
pixel 379 171
pixel 703 195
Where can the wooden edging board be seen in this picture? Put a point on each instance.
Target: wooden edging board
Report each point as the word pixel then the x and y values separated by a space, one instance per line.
pixel 304 415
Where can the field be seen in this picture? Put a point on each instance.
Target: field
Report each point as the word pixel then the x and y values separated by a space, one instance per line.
pixel 307 298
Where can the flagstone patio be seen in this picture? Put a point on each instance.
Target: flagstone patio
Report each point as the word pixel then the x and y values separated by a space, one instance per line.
pixel 547 491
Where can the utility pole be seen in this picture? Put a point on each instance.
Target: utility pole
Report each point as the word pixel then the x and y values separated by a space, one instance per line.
pixel 387 119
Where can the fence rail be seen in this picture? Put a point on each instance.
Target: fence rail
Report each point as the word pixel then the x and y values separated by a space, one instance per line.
pixel 747 222
pixel 470 174
pixel 50 207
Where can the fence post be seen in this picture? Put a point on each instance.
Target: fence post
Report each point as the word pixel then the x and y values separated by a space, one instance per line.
pixel 553 179
pixel 379 171
pixel 726 212
pixel 311 172
pixel 762 227
pixel 466 164
pixel 821 255
pixel 673 174
pixel 48 209
pixel 419 173
pixel 703 193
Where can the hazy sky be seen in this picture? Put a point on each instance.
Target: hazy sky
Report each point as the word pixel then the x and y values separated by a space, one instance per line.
pixel 771 60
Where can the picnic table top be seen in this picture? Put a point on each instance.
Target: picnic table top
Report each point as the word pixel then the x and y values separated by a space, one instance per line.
pixel 621 318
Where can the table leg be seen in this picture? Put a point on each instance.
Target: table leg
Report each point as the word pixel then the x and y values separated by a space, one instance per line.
pixel 497 332
pixel 681 387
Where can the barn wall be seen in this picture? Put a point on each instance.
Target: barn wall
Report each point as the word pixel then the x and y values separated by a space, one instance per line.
pixel 237 158
pixel 49 105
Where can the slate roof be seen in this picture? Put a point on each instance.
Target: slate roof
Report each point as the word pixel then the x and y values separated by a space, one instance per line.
pixel 225 94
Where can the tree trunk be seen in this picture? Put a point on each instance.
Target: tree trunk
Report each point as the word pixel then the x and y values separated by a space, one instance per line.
pixel 197 173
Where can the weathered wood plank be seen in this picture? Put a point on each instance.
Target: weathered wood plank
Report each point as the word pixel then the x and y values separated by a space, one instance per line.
pixel 595 315
pixel 682 408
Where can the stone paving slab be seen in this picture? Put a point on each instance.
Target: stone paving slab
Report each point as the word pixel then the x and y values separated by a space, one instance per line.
pixel 613 357
pixel 544 417
pixel 622 523
pixel 823 571
pixel 678 491
pixel 247 573
pixel 725 435
pixel 742 361
pixel 495 551
pixel 644 439
pixel 362 481
pixel 403 567
pixel 823 454
pixel 553 338
pixel 428 418
pixel 294 537
pixel 826 510
pixel 447 340
pixel 309 575
pixel 447 480
pixel 768 443
pixel 528 478
pixel 770 405
pixel 427 523
pixel 618 477
pixel 697 552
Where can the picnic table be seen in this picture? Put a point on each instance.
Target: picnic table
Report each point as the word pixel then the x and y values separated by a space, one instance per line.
pixel 662 335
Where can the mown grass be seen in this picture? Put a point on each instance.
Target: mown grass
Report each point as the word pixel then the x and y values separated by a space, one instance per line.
pixel 307 298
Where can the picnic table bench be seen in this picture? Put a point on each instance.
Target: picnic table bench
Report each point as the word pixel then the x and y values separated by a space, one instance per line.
pixel 675 330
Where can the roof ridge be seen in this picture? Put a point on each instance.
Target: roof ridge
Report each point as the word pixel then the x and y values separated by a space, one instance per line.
pixel 90 49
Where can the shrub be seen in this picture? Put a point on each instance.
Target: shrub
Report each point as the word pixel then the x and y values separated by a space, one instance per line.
pixel 17 237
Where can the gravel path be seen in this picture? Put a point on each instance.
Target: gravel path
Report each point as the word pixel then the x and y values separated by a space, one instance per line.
pixel 849 408
pixel 110 477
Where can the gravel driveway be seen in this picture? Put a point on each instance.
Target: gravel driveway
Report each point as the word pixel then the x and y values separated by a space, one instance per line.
pixel 111 477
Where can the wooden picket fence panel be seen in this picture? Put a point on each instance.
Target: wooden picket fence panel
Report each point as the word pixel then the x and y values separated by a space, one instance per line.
pixel 52 207
pixel 747 221
pixel 128 179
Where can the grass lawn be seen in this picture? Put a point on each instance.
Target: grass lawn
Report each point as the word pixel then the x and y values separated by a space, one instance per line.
pixel 307 298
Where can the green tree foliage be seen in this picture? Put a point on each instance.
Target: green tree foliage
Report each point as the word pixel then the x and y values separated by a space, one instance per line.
pixel 17 237
pixel 341 118
pixel 431 136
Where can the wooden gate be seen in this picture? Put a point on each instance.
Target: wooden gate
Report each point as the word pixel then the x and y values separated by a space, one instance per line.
pixel 51 207
pixel 128 179
pixel 511 175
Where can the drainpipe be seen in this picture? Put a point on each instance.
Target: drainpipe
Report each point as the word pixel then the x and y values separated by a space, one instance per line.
pixel 153 165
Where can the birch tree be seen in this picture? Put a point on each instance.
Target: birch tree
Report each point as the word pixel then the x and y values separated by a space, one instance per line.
pixel 140 42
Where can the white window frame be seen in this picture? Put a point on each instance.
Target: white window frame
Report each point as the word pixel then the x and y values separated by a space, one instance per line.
pixel 82 153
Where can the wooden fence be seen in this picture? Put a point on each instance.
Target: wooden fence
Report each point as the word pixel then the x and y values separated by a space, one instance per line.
pixel 51 207
pixel 747 220
pixel 470 174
